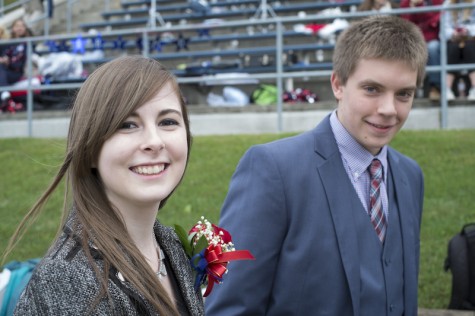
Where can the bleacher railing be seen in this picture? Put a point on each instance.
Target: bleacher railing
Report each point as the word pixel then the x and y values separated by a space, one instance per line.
pixel 279 75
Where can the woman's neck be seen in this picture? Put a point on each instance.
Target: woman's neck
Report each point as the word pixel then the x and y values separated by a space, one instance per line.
pixel 139 221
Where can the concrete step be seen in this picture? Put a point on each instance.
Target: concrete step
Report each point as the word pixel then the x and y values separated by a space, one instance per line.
pixel 246 120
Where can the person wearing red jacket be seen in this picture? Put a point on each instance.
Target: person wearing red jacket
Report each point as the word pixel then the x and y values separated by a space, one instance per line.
pixel 428 22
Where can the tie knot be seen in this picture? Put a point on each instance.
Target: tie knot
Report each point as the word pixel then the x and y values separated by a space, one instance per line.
pixel 375 169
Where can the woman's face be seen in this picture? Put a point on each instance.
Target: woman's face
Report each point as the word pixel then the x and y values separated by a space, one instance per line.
pixel 19 29
pixel 143 162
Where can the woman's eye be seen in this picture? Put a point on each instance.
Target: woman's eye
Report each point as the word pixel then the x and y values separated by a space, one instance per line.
pixel 168 122
pixel 128 125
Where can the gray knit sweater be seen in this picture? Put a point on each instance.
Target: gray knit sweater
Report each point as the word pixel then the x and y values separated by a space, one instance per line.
pixel 64 282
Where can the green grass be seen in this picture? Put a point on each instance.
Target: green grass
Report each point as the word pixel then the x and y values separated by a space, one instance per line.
pixel 447 158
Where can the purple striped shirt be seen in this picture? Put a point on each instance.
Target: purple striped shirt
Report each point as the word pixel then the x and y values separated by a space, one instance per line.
pixel 356 161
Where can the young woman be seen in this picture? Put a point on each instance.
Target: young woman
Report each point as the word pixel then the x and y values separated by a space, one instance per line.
pixel 127 150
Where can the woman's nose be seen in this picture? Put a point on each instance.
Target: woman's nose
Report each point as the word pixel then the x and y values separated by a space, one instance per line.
pixel 152 140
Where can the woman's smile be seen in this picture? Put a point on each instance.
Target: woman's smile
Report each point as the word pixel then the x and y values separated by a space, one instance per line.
pixel 149 170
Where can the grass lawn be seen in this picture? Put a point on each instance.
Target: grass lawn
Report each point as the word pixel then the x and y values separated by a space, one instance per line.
pixel 446 157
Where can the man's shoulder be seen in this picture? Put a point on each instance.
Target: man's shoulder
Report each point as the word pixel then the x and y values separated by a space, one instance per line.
pixel 403 163
pixel 302 138
pixel 400 157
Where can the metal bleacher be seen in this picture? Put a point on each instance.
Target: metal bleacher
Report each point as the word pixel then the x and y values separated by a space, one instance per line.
pixel 232 38
pixel 139 16
pixel 203 44
pixel 213 41
pixel 236 38
pixel 127 3
pixel 142 6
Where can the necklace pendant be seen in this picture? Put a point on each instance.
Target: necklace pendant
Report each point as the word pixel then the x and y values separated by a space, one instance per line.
pixel 162 271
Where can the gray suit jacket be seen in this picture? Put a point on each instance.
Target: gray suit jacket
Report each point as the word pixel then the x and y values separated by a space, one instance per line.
pixel 64 282
pixel 289 204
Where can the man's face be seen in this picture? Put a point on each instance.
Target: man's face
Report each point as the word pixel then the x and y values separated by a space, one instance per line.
pixel 375 101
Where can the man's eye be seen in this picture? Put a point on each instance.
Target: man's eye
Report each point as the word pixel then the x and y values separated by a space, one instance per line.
pixel 371 89
pixel 406 94
pixel 128 125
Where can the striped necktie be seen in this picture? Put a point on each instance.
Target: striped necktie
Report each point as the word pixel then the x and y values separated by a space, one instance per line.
pixel 376 207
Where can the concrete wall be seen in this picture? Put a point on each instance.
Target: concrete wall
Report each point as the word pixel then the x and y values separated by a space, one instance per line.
pixel 460 117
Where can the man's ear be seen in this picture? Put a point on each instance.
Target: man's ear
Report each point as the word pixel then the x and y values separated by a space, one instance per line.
pixel 336 86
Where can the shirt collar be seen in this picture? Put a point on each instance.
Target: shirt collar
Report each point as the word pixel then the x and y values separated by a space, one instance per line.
pixel 356 156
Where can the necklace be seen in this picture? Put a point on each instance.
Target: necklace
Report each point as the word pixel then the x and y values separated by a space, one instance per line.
pixel 162 269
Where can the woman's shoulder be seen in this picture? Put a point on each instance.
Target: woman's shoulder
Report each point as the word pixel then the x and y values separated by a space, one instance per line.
pixel 63 275
pixel 62 263
pixel 52 286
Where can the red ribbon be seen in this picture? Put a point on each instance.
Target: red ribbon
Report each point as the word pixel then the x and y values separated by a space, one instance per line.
pixel 218 261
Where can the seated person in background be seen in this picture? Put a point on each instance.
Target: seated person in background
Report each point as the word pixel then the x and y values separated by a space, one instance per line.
pixel 460 31
pixel 375 5
pixel 429 23
pixel 13 59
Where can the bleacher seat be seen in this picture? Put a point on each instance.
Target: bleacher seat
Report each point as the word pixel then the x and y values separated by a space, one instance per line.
pixel 144 2
pixel 190 52
pixel 197 51
pixel 129 20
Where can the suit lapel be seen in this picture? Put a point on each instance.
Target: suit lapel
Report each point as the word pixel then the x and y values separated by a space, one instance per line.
pixel 339 192
pixel 402 193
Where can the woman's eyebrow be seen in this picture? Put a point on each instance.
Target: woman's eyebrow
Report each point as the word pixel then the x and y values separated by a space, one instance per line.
pixel 161 113
pixel 168 111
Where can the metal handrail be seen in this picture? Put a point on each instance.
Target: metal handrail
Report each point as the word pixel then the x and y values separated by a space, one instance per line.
pixel 8 7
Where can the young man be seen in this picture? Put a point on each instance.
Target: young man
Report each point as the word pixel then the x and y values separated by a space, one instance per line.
pixel 305 206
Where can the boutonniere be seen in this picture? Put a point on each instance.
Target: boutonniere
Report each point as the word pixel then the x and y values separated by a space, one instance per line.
pixel 210 249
